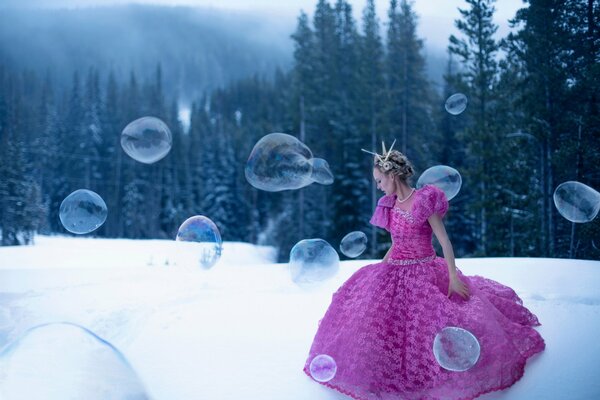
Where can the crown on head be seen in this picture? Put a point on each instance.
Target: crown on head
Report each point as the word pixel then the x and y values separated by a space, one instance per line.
pixel 382 159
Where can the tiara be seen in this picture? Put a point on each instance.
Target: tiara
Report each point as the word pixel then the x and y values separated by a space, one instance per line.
pixel 382 159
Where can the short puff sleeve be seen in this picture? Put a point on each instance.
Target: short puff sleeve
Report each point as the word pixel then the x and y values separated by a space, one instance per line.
pixel 434 201
pixel 381 217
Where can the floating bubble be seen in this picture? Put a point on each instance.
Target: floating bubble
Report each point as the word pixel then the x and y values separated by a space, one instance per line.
pixel 202 237
pixel 353 244
pixel 146 140
pixel 444 177
pixel 312 261
pixel 456 103
pixel 83 211
pixel 279 162
pixel 323 368
pixel 64 361
pixel 321 172
pixel 577 202
pixel 456 349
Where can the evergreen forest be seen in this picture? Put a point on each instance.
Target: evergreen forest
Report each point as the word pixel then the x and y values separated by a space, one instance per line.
pixel 532 123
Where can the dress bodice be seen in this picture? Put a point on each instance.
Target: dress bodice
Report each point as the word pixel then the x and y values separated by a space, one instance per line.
pixel 410 230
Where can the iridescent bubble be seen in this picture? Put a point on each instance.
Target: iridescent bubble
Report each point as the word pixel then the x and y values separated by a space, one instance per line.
pixel 146 140
pixel 321 172
pixel 83 211
pixel 279 162
pixel 323 368
pixel 353 244
pixel 456 103
pixel 201 236
pixel 312 261
pixel 577 202
pixel 444 177
pixel 64 361
pixel 456 349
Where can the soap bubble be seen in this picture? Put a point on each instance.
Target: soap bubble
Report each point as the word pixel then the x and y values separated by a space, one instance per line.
pixel 443 177
pixel 456 103
pixel 323 368
pixel 321 172
pixel 312 261
pixel 279 162
pixel 577 202
pixel 83 211
pixel 456 349
pixel 146 140
pixel 64 361
pixel 353 244
pixel 202 237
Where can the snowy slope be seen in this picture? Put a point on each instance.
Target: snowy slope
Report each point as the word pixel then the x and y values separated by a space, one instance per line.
pixel 242 330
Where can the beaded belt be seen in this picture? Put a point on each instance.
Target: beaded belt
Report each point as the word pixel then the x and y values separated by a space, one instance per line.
pixel 413 261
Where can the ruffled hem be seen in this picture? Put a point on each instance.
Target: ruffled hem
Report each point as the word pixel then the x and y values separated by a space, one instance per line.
pixel 518 377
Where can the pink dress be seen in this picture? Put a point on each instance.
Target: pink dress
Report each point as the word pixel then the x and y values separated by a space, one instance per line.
pixel 382 322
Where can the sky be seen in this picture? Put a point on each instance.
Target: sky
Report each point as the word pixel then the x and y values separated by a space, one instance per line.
pixel 436 16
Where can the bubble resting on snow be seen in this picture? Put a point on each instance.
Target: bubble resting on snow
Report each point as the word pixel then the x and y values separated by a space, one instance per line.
pixel 147 140
pixel 353 244
pixel 201 235
pixel 456 349
pixel 83 211
pixel 576 201
pixel 312 261
pixel 64 361
pixel 444 177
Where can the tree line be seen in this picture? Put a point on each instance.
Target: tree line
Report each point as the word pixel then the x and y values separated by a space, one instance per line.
pixel 531 123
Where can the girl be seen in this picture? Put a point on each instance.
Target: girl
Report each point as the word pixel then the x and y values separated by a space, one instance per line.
pixel 381 324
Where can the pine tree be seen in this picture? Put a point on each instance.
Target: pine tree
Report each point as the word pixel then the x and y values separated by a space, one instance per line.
pixel 477 52
pixel 409 112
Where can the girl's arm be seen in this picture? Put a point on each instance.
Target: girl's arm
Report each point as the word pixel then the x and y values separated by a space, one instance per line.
pixel 455 284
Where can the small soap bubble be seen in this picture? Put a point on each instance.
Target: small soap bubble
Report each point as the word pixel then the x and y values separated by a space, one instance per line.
pixel 202 237
pixel 353 244
pixel 83 211
pixel 321 173
pixel 147 140
pixel 61 361
pixel 279 162
pixel 443 177
pixel 576 201
pixel 456 104
pixel 312 261
pixel 323 368
pixel 456 349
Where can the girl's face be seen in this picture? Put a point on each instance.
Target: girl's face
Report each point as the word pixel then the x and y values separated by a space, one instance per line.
pixel 385 182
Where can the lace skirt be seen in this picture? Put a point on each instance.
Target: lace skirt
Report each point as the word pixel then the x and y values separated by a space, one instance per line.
pixel 381 324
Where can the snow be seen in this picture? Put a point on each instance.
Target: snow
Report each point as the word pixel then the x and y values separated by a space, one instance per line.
pixel 243 329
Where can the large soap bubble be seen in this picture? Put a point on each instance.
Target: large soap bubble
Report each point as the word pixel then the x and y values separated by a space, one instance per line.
pixel 146 140
pixel 202 237
pixel 321 173
pixel 456 104
pixel 353 244
pixel 444 177
pixel 281 162
pixel 83 211
pixel 456 349
pixel 323 368
pixel 64 361
pixel 312 261
pixel 577 202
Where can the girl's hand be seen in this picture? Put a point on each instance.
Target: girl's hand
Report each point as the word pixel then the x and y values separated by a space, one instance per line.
pixel 457 286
